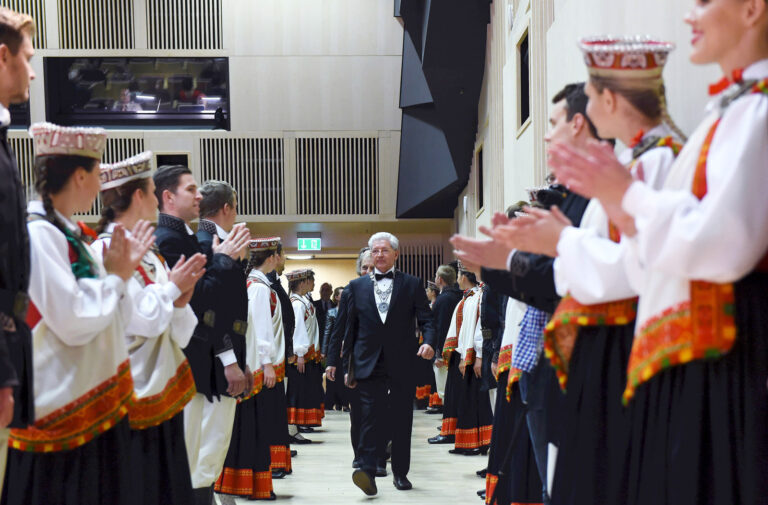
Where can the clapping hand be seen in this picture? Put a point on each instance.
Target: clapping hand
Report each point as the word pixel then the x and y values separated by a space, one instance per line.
pixel 235 243
pixel 125 252
pixel 538 231
pixel 185 274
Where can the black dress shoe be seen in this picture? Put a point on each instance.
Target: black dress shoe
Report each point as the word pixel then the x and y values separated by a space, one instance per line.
pixel 345 409
pixel 402 483
pixel 364 481
pixel 434 410
pixel 442 439
pixel 465 452
pixel 294 453
pixel 279 473
pixel 299 441
pixel 356 463
pixel 481 473
pixel 481 494
pixel 306 429
pixel 381 471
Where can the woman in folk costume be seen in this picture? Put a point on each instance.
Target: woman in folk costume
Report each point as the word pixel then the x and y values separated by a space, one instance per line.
pixel 270 402
pixel 247 467
pixel 78 450
pixel 475 418
pixel 161 325
pixel 589 338
pixel 314 366
pixel 699 361
pixel 304 402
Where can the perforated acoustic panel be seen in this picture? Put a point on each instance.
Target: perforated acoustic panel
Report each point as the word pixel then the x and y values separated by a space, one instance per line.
pixel 254 167
pixel 36 9
pixel 96 24
pixel 184 24
pixel 421 260
pixel 337 176
pixel 23 148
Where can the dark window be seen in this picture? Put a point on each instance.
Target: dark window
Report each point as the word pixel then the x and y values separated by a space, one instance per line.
pixel 172 159
pixel 480 189
pixel 525 81
pixel 20 117
pixel 143 92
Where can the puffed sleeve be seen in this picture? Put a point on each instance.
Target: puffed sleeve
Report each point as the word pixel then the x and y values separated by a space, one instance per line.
pixel 76 310
pixel 477 342
pixel 260 320
pixel 300 336
pixel 721 237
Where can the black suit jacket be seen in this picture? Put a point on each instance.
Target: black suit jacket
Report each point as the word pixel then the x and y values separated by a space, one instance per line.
pixel 16 346
pixel 289 317
pixel 530 278
pixel 322 316
pixel 214 304
pixel 445 304
pixel 339 335
pixel 394 340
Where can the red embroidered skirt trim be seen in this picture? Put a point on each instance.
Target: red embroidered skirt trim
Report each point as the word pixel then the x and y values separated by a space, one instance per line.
pixel 154 410
pixel 474 438
pixel 280 458
pixel 82 420
pixel 306 417
pixel 449 426
pixel 244 483
pixel 434 400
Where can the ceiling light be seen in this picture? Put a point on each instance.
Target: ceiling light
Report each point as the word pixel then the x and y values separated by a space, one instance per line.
pixel 299 257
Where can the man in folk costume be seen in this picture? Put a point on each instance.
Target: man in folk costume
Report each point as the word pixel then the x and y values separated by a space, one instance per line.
pixel 216 350
pixel 78 449
pixel 160 327
pixel 304 400
pixel 381 315
pixel 445 304
pixel 16 382
pixel 247 470
pixel 271 402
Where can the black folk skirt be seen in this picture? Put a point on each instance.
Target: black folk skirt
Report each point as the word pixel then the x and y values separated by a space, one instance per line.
pixel 453 386
pixel 96 473
pixel 592 461
pixel 700 430
pixel 475 419
pixel 273 425
pixel 160 464
pixel 247 465
pixel 305 401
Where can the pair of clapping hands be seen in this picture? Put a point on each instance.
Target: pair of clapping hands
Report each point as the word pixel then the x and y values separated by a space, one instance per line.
pixel 593 172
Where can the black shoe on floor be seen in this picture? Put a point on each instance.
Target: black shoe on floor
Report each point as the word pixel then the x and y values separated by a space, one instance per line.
pixel 306 429
pixel 381 471
pixel 345 409
pixel 279 473
pixel 294 453
pixel 481 494
pixel 356 463
pixel 299 441
pixel 402 483
pixel 442 439
pixel 365 482
pixel 465 452
pixel 481 473
pixel 434 410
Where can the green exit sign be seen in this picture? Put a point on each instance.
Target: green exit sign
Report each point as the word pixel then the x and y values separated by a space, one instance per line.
pixel 309 244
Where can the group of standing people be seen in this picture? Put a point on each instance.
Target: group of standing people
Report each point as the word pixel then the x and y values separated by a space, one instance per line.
pixel 635 335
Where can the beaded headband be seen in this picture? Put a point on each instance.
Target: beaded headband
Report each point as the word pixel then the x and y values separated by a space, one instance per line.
pixel 116 174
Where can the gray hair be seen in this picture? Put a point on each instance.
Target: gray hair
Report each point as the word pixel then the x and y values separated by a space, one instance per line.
pixel 382 235
pixel 216 194
pixel 360 259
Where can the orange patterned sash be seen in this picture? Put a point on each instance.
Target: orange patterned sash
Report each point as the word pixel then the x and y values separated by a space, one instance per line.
pixel 144 413
pixel 453 341
pixel 81 421
pixel 505 360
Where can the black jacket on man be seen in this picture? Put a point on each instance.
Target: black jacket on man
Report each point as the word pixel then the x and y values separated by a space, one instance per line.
pixel 530 278
pixel 15 344
pixel 216 302
pixel 289 317
pixel 443 308
pixel 492 328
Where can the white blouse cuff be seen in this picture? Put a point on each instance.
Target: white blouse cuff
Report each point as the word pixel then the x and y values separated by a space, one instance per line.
pixel 172 291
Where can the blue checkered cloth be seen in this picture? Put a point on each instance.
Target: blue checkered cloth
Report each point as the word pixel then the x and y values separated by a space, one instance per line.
pixel 531 341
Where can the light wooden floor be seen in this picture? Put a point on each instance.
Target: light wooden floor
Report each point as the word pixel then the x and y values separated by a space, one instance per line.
pixel 322 471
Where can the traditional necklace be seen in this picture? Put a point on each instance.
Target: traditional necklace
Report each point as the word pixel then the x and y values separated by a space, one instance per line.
pixel 384 295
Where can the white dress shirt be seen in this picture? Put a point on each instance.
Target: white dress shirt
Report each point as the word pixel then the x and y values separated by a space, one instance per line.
pixel 384 285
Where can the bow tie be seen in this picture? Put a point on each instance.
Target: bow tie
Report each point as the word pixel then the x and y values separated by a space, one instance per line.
pixel 388 275
pixel 726 82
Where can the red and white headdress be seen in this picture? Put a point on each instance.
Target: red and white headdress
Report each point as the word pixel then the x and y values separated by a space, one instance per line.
pixel 53 140
pixel 639 57
pixel 264 244
pixel 299 275
pixel 114 175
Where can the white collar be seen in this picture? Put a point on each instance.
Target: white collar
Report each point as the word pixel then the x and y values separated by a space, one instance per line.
pixel 757 70
pixel 221 233
pixel 5 116
pixel 259 274
pixel 36 207
pixel 377 271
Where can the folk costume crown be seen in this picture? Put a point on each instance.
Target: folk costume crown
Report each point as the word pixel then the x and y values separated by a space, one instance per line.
pixel 264 244
pixel 53 140
pixel 116 174
pixel 299 275
pixel 636 57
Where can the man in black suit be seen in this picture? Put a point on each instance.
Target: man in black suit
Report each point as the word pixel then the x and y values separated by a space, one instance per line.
pixel 216 349
pixel 382 309
pixel 16 383
pixel 322 306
